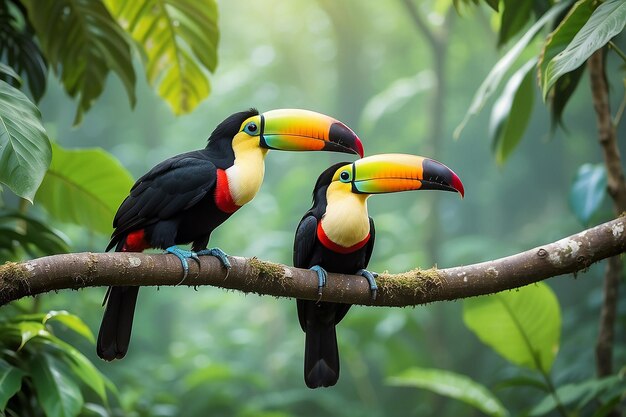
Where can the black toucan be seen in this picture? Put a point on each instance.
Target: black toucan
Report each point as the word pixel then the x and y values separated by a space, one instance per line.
pixel 184 198
pixel 337 235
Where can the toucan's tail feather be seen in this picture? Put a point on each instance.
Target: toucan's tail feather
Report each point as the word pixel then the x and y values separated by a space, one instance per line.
pixel 117 322
pixel 321 354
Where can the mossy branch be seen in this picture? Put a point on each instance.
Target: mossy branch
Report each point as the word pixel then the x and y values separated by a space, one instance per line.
pixel 79 270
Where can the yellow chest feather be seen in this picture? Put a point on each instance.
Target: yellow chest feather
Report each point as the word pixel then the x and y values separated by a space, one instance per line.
pixel 346 221
pixel 246 175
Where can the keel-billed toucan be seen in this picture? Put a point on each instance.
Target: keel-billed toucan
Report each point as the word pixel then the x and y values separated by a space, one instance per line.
pixel 337 235
pixel 184 198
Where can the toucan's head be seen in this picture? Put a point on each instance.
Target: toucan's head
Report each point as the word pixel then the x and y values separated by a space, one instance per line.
pixel 388 173
pixel 289 130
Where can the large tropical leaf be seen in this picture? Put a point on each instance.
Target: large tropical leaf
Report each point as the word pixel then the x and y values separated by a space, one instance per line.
pixel 58 394
pixel 607 20
pixel 8 74
pixel 523 326
pixel 71 321
pixel 492 81
pixel 560 37
pixel 459 387
pixel 179 40
pixel 34 237
pixel 77 363
pixel 511 112
pixel 85 187
pixel 18 47
pixel 10 382
pixel 81 40
pixel 514 17
pixel 24 146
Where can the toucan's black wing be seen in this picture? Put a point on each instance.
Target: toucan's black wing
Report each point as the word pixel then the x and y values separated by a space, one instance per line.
pixel 304 242
pixel 169 188
pixel 370 243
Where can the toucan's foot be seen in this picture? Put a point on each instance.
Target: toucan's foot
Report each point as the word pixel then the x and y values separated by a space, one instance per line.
pixel 321 278
pixel 183 255
pixel 218 253
pixel 371 278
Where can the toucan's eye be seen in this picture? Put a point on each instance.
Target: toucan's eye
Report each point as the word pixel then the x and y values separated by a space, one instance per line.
pixel 251 129
pixel 344 176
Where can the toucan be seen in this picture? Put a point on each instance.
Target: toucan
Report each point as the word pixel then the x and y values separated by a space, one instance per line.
pixel 184 198
pixel 337 235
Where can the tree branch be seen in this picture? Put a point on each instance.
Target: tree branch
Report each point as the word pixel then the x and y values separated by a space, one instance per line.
pixel 79 270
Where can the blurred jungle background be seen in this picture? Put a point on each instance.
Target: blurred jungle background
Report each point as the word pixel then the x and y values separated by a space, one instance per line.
pixel 146 80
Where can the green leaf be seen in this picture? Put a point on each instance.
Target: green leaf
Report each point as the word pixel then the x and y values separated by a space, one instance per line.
pixel 562 91
pixel 514 17
pixel 588 191
pixel 179 39
pixel 581 392
pixel 8 73
pixel 29 330
pixel 608 407
pixel 85 187
pixel 488 87
pixel 523 326
pixel 511 112
pixel 459 387
pixel 91 409
pixel 21 51
pixel 607 21
pixel 58 394
pixel 493 4
pixel 36 238
pixel 24 146
pixel 10 382
pixel 72 322
pixel 83 41
pixel 560 37
pixel 80 366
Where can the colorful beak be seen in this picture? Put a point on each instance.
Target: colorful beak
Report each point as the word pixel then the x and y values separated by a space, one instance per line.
pixel 389 173
pixel 303 130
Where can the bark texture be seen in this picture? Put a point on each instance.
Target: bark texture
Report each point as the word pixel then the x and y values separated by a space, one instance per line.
pixel 79 270
pixel 616 187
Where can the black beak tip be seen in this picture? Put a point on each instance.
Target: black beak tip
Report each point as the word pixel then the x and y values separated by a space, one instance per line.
pixel 441 177
pixel 343 139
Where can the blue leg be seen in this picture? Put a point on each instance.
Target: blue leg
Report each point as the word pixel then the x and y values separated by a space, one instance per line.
pixel 371 278
pixel 218 253
pixel 183 255
pixel 321 278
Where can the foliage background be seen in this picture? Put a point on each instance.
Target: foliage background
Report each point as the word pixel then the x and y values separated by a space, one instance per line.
pixel 212 352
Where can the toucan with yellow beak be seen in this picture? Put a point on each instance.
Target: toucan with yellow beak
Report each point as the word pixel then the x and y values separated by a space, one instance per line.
pixel 184 198
pixel 337 235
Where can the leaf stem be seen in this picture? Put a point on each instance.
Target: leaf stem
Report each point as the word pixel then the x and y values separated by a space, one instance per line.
pixel 618 51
